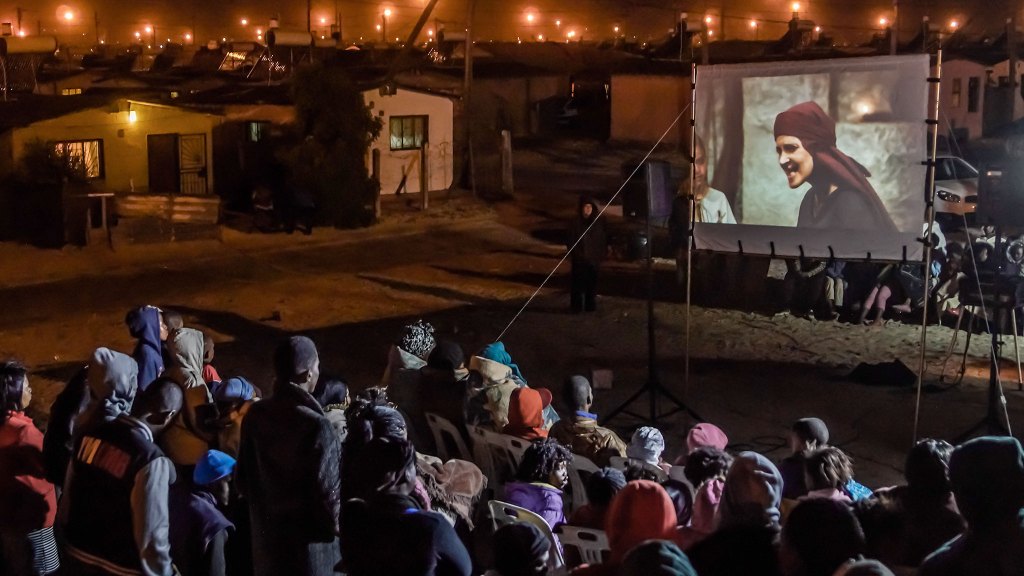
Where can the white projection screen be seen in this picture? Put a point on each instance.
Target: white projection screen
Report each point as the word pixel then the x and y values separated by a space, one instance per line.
pixel 765 131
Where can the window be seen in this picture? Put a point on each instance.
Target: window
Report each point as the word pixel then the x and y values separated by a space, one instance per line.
pixel 82 156
pixel 957 90
pixel 973 93
pixel 70 91
pixel 256 131
pixel 408 132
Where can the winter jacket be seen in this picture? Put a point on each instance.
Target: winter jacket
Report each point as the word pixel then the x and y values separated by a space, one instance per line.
pixel 490 397
pixel 198 531
pixel 144 325
pixel 288 470
pixel 584 437
pixel 27 500
pixel 593 244
pixel 58 442
pixel 186 440
pixel 543 499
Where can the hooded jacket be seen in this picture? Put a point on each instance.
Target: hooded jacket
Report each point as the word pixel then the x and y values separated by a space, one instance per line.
pixel 525 415
pixel 539 497
pixel 490 398
pixel 184 440
pixel 752 493
pixel 113 380
pixel 592 239
pixel 144 325
pixel 583 436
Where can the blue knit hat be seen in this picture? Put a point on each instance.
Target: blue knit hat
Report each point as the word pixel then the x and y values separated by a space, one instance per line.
pixel 213 466
pixel 233 390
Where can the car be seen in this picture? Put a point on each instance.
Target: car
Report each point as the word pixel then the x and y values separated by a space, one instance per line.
pixel 956 189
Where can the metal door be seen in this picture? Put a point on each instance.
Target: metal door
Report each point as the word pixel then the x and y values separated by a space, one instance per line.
pixel 192 161
pixel 162 152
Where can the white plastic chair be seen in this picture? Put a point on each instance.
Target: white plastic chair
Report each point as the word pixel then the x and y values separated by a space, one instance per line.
pixel 483 457
pixel 515 447
pixel 592 545
pixel 441 427
pixel 621 463
pixel 503 514
pixel 577 484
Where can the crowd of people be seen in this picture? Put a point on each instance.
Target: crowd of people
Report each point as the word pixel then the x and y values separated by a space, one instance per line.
pixel 153 464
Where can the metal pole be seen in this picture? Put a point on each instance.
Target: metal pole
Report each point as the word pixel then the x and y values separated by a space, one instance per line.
pixel 467 110
pixel 894 31
pixel 424 187
pixel 689 228
pixel 930 218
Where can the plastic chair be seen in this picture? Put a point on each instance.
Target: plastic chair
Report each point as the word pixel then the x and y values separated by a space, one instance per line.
pixel 622 463
pixel 592 545
pixel 503 514
pixel 515 447
pixel 576 482
pixel 484 457
pixel 439 428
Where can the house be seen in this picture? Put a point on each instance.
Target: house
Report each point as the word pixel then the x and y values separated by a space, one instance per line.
pixel 413 120
pixel 962 101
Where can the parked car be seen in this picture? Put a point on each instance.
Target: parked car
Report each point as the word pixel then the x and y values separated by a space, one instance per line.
pixel 956 189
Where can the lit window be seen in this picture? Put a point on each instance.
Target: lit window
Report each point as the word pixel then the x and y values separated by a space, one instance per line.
pixel 256 131
pixel 957 91
pixel 70 91
pixel 84 157
pixel 408 132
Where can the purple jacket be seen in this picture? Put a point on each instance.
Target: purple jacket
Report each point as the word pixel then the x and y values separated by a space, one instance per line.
pixel 544 499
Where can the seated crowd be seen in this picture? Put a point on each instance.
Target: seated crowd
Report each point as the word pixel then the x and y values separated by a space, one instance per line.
pixel 152 464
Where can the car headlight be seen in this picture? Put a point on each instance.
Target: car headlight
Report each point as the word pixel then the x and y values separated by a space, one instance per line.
pixel 947 196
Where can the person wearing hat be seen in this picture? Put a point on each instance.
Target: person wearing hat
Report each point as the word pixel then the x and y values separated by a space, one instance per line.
pixel 199 530
pixel 526 413
pixel 805 436
pixel 580 432
pixel 234 398
pixel 288 443
pixel 840 197
pixel 405 359
pixel 443 390
pixel 647 445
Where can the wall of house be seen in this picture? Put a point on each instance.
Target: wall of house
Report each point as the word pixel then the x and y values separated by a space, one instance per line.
pixel 125 160
pixel 954 110
pixel 508 103
pixel 1000 75
pixel 440 149
pixel 643 107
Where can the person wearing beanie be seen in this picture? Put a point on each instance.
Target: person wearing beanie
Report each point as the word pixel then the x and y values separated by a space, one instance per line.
pixel 601 487
pixel 405 358
pixel 199 529
pixel 526 413
pixel 805 436
pixel 234 398
pixel 287 442
pixel 987 475
pixel 706 435
pixel 840 197
pixel 443 389
pixel 520 549
pixel 657 558
pixel 580 432
pixel 647 445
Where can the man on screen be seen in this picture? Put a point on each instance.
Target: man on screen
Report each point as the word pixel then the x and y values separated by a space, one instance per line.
pixel 840 196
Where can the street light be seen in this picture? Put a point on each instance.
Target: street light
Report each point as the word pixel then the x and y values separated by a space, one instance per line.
pixel 796 10
pixel 953 25
pixel 68 16
pixel 883 22
pixel 384 24
pixel 245 21
pixel 754 26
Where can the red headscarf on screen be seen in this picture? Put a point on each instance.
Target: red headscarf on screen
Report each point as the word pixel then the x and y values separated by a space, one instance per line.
pixel 817 132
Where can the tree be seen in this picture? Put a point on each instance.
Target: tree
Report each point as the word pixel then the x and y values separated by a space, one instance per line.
pixel 326 157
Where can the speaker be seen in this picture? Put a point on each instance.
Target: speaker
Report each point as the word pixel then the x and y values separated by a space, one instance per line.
pixel 651 187
pixel 1001 194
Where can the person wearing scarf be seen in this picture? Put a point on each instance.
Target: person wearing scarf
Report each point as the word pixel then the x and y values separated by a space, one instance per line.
pixel 526 415
pixel 840 198
pixel 388 532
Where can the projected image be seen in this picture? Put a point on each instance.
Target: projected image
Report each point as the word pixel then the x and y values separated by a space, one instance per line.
pixel 820 158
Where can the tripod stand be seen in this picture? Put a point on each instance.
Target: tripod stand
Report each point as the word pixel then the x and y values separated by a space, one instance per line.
pixel 1002 301
pixel 653 388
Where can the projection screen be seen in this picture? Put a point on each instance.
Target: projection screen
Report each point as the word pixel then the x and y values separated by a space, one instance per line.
pixel 824 156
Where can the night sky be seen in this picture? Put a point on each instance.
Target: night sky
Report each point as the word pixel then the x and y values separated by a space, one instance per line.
pixel 850 21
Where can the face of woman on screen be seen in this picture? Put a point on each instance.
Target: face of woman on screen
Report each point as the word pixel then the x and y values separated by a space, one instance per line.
pixel 795 160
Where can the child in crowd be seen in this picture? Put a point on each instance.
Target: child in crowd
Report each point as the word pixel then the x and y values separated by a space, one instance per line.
pixel 210 374
pixel 542 475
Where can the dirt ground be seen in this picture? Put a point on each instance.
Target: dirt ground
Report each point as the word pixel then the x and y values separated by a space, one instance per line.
pixel 469 267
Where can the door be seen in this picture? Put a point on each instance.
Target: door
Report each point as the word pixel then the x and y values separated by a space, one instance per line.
pixel 162 151
pixel 192 162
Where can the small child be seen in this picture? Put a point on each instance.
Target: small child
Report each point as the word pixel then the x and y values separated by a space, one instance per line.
pixel 542 474
pixel 210 374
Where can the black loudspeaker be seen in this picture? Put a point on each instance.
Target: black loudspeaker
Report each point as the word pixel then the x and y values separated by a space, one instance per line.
pixel 1001 194
pixel 651 187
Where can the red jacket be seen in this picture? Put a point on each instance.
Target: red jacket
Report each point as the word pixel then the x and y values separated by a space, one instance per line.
pixel 27 501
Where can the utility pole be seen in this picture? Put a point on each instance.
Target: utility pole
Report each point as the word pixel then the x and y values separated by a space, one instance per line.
pixel 309 16
pixel 19 21
pixel 96 24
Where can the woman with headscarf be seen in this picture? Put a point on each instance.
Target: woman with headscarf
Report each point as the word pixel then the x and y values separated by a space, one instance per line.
pixel 526 414
pixel 747 526
pixel 840 198
pixel 641 511
pixel 387 532
pixel 186 440
pixel 28 502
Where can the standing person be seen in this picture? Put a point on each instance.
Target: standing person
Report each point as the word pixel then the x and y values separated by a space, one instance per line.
pixel 114 512
pixel 589 244
pixel 28 503
pixel 146 324
pixel 288 470
pixel 840 198
pixel 58 442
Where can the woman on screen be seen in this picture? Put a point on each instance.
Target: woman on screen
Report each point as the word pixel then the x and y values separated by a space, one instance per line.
pixel 840 196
